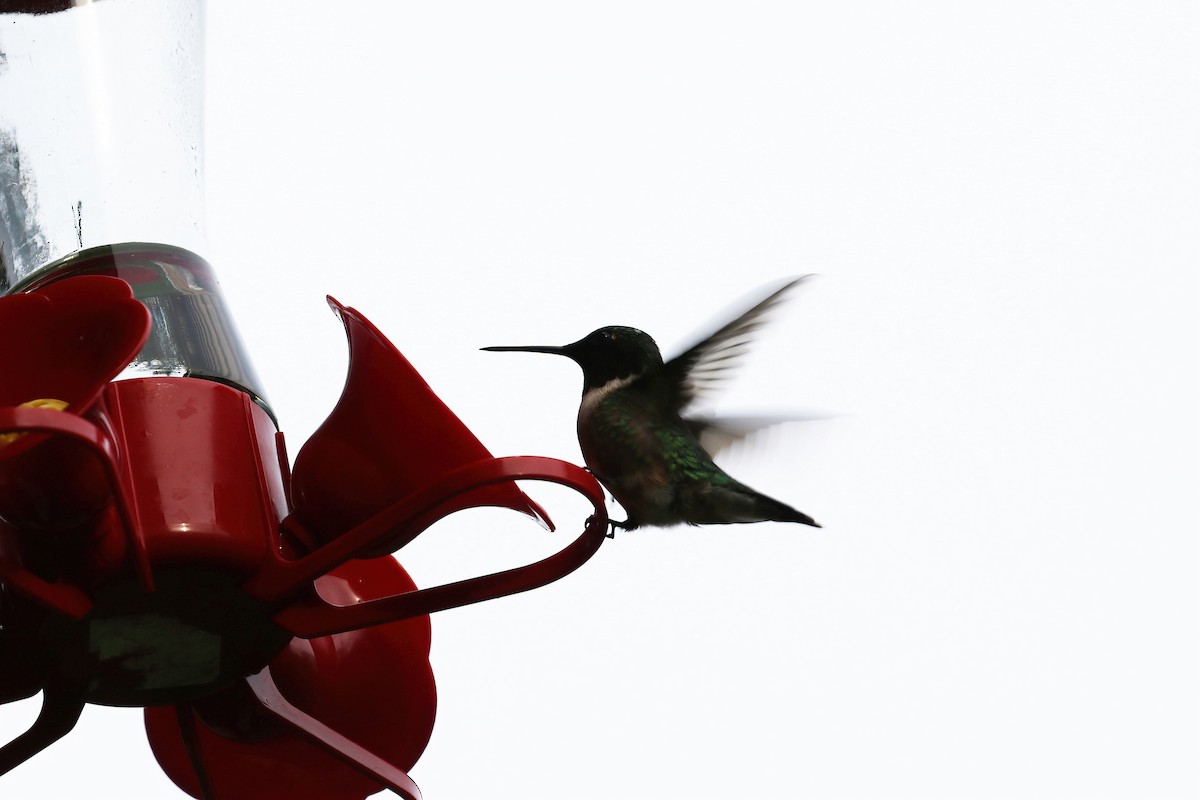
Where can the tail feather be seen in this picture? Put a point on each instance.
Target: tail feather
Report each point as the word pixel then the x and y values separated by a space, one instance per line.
pixel 782 512
pixel 739 503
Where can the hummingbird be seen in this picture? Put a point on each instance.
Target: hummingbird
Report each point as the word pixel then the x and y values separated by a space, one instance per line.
pixel 635 433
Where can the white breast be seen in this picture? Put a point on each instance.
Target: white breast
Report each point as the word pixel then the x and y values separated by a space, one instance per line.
pixel 594 395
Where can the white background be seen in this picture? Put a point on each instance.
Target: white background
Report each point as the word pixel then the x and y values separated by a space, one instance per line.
pixel 1002 200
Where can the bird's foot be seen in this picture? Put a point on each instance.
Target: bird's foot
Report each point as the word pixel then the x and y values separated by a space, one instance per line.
pixel 613 525
pixel 588 523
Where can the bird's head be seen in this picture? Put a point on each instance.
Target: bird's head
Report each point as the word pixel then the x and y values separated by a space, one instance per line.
pixel 611 353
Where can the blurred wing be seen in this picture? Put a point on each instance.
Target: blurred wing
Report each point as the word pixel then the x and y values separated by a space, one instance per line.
pixel 706 365
pixel 718 433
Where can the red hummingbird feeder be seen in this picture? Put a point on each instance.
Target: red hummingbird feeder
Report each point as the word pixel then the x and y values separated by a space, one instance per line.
pixel 158 551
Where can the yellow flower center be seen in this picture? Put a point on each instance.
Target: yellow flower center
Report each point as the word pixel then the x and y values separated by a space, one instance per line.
pixel 43 402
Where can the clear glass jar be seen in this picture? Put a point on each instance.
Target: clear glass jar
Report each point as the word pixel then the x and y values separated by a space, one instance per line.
pixel 102 171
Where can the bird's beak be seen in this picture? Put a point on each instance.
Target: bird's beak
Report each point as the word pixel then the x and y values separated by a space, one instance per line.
pixel 533 348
